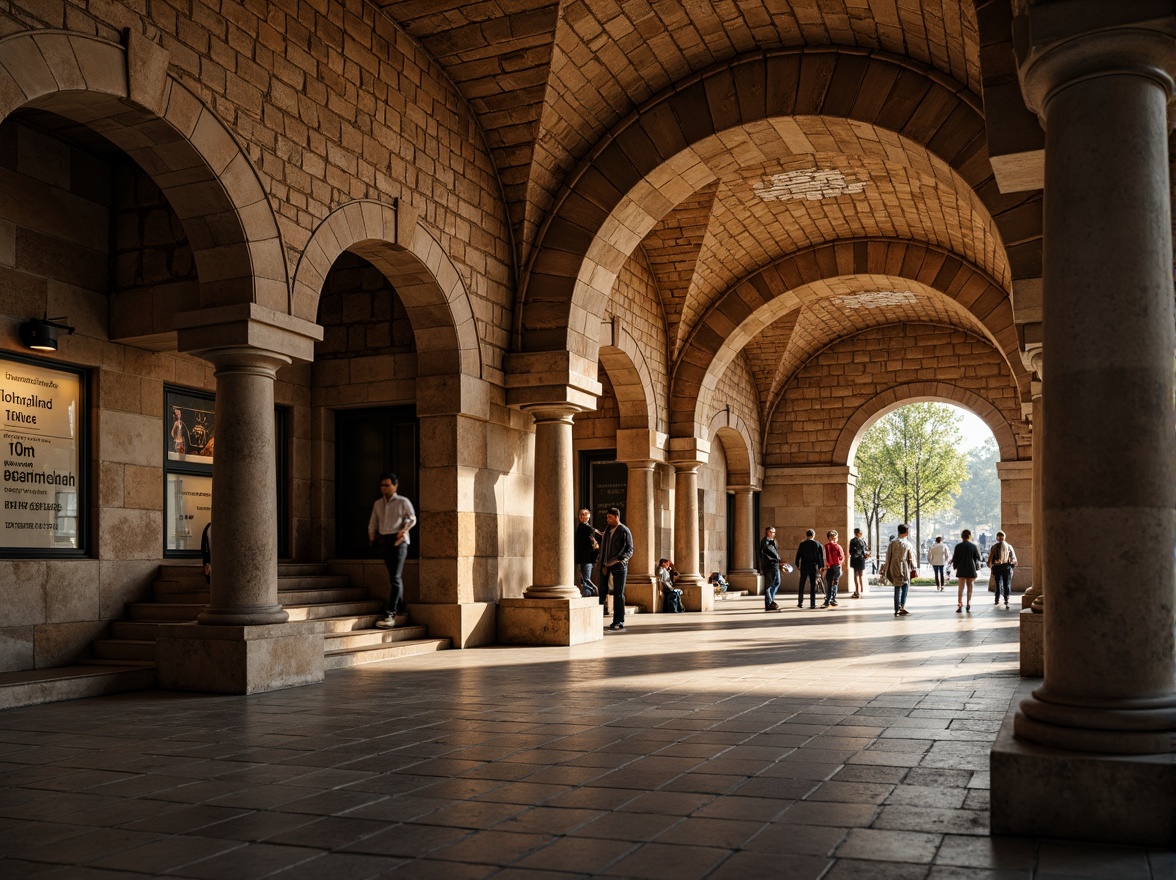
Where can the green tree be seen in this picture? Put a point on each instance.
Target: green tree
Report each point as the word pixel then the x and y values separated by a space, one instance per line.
pixel 874 492
pixel 978 499
pixel 921 459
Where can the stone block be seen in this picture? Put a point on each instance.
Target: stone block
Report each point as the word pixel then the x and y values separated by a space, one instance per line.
pixel 240 659
pixel 1041 792
pixel 143 488
pixel 72 590
pixel 129 534
pixel 1032 644
pixel 751 581
pixel 129 438
pixel 644 593
pixel 122 581
pixel 551 622
pixel 22 584
pixel 16 648
pixel 698 598
pixel 60 644
pixel 467 625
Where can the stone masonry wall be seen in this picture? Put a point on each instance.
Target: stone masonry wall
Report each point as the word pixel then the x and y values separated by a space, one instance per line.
pixel 820 399
pixel 636 304
pixel 331 102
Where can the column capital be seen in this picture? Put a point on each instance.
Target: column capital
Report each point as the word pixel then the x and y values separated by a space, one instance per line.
pixel 688 452
pixel 743 490
pixel 1058 44
pixel 244 359
pixel 247 325
pixel 552 412
pixel 548 377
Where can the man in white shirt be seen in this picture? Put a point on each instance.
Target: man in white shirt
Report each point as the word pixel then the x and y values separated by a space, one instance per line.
pixel 392 517
pixel 938 556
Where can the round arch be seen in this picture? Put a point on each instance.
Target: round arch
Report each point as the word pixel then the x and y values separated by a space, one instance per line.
pixel 657 157
pixel 899 396
pixel 750 306
pixel 735 435
pixel 428 284
pixel 631 379
pixel 127 95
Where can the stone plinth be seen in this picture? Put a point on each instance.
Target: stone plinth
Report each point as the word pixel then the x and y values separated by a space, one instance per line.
pixel 549 621
pixel 240 659
pixel 747 580
pixel 697 597
pixel 1032 644
pixel 467 625
pixel 1042 792
pixel 645 593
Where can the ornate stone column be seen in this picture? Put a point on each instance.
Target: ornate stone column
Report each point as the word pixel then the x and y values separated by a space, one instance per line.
pixel 688 455
pixel 640 587
pixel 1104 721
pixel 744 575
pixel 553 529
pixel 243 644
pixel 244 590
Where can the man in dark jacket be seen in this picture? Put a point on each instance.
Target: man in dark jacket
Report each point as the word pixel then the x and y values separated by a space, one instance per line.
pixel 616 549
pixel 769 559
pixel 810 559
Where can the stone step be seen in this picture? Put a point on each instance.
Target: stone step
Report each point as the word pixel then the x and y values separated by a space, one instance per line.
pixel 181 570
pixel 376 653
pixel 124 649
pixel 334 609
pixel 362 638
pixel 318 597
pixel 314 582
pixel 164 612
pixel 38 686
pixel 350 624
pixel 128 664
pixel 138 630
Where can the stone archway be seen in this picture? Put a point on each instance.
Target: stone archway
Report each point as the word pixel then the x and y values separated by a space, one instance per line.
pixel 631 379
pixel 428 284
pixel 760 299
pixel 127 95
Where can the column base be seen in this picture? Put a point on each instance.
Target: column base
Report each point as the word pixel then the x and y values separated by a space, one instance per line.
pixel 253 615
pixel 1032 644
pixel 1042 792
pixel 466 624
pixel 644 592
pixel 560 622
pixel 239 659
pixel 563 591
pixel 749 580
pixel 697 596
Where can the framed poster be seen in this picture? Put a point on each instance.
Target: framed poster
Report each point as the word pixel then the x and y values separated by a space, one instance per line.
pixel 191 427
pixel 43 437
pixel 604 483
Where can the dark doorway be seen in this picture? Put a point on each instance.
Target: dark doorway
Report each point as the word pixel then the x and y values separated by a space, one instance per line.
pixel 369 442
pixel 604 483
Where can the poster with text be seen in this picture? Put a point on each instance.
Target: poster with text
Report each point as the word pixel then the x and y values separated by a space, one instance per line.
pixel 190 423
pixel 610 488
pixel 41 447
pixel 189 510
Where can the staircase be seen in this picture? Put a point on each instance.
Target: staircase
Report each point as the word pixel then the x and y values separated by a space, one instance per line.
pixel 126 660
pixel 307 591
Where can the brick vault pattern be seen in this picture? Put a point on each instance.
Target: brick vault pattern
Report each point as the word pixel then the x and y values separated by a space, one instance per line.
pixel 929 360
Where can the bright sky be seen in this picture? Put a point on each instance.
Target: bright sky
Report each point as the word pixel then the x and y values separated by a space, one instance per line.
pixel 975 431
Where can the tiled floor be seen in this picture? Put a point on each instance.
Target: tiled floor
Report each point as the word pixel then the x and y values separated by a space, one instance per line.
pixel 733 744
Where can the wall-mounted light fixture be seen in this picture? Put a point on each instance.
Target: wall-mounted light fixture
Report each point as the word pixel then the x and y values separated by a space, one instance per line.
pixel 40 334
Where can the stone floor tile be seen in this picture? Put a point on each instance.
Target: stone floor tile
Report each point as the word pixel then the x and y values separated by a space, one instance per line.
pixel 1092 860
pixel 853 869
pixel 986 852
pixel 87 847
pixel 928 796
pixel 851 792
pixel 27 870
pixel 492 847
pixel 408 840
pixel 168 854
pixel 256 826
pixel 943 821
pixel 815 840
pixel 667 803
pixel 889 846
pixel 634 827
pixel 721 833
pixel 940 778
pixel 956 872
pixel 590 854
pixel 657 861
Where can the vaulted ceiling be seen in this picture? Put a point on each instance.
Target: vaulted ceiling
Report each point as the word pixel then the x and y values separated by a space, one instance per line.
pixel 549 81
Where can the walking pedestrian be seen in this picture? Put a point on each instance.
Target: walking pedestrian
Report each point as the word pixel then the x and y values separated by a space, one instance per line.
pixel 938 556
pixel 392 517
pixel 859 552
pixel 901 568
pixel 965 560
pixel 769 560
pixel 1002 559
pixel 616 549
